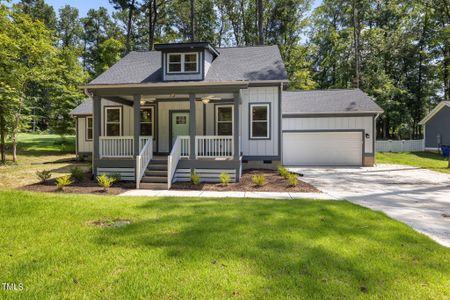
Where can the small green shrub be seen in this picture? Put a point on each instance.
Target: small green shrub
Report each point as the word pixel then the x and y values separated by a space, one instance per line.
pixel 116 177
pixel 43 175
pixel 293 181
pixel 283 172
pixel 105 182
pixel 224 178
pixel 259 180
pixel 77 174
pixel 63 181
pixel 195 178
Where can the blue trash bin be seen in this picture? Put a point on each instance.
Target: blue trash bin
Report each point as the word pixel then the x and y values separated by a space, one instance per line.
pixel 445 150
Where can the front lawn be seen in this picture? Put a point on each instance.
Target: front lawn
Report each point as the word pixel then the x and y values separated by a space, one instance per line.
pixel 426 160
pixel 211 248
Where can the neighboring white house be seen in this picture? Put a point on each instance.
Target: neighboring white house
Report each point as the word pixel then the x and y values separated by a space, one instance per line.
pixel 155 116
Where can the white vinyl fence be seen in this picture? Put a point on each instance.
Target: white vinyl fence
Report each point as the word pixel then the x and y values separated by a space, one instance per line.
pixel 400 146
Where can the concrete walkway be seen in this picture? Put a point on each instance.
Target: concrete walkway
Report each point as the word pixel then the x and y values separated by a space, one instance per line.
pixel 212 194
pixel 414 196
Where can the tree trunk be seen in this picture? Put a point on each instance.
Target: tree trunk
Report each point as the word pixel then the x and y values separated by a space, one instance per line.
pixel 129 24
pixel 356 35
pixel 152 19
pixel 260 17
pixel 192 20
pixel 2 143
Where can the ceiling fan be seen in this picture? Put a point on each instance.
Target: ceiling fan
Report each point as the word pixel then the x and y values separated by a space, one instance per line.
pixel 208 98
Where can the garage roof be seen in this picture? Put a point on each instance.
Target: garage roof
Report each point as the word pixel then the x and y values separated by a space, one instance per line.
pixel 345 101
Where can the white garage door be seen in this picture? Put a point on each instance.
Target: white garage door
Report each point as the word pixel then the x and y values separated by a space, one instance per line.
pixel 322 148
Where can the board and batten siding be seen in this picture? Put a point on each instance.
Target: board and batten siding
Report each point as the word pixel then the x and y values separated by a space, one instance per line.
pixel 333 123
pixel 163 120
pixel 127 117
pixel 82 144
pixel 265 147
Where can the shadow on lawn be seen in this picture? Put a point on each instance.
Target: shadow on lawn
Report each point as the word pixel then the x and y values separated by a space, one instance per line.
pixel 302 248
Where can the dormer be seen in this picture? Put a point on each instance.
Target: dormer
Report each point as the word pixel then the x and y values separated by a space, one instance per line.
pixel 186 61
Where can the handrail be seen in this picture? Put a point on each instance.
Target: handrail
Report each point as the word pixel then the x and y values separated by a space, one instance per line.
pixel 142 160
pixel 116 146
pixel 214 146
pixel 172 161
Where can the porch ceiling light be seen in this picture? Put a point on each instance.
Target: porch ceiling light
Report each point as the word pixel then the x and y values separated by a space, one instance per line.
pixel 205 100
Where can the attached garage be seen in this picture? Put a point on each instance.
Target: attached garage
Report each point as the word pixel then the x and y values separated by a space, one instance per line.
pixel 328 128
pixel 323 148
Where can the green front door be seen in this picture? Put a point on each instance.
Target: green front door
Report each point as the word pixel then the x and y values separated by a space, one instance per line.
pixel 180 125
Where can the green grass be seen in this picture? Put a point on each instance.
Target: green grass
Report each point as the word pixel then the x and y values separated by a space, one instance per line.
pixel 37 152
pixel 212 248
pixel 426 160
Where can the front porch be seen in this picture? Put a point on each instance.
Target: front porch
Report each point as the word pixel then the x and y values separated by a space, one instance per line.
pixel 193 131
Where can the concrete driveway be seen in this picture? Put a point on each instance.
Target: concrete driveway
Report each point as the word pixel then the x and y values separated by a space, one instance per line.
pixel 414 196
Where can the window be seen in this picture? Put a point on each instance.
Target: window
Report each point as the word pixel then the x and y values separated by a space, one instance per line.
pixel 259 121
pixel 89 130
pixel 181 120
pixel 224 120
pixel 113 124
pixel 182 62
pixel 147 121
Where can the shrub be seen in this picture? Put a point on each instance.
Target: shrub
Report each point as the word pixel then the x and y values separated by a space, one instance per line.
pixel 293 181
pixel 43 175
pixel 116 177
pixel 195 178
pixel 63 181
pixel 224 178
pixel 259 180
pixel 77 174
pixel 283 172
pixel 105 182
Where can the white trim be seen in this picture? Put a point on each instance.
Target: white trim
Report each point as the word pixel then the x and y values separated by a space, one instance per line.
pixel 87 129
pixel 216 127
pixel 242 83
pixel 440 106
pixel 267 121
pixel 153 119
pixel 182 63
pixel 106 119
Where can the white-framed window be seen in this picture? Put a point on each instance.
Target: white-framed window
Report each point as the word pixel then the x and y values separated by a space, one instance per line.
pixel 113 121
pixel 89 129
pixel 259 121
pixel 182 62
pixel 147 116
pixel 224 119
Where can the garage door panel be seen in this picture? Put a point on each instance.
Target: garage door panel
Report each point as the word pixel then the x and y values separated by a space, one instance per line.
pixel 322 148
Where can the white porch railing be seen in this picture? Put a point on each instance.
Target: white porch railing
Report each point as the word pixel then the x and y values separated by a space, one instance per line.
pixel 143 159
pixel 116 146
pixel 143 140
pixel 185 143
pixel 172 161
pixel 214 146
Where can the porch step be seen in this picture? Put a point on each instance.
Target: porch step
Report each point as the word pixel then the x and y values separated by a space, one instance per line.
pixel 153 186
pixel 154 179
pixel 156 173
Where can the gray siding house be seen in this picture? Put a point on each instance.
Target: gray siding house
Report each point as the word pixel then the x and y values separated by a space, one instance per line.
pixel 437 126
pixel 156 116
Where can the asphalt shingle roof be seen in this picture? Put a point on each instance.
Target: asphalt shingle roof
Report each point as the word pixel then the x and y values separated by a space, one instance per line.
pixel 84 108
pixel 328 101
pixel 240 63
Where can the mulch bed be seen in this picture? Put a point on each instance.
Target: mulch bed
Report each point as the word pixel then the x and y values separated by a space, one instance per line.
pixel 87 186
pixel 274 183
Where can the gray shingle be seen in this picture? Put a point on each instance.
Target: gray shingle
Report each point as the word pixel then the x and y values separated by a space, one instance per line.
pixel 84 108
pixel 328 101
pixel 240 63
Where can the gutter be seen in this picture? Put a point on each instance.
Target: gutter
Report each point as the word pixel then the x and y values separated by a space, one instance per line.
pixel 168 84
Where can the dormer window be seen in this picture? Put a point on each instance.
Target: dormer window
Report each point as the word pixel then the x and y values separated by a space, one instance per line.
pixel 182 62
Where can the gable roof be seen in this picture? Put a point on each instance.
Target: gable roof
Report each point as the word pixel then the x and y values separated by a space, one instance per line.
pixel 328 102
pixel 84 108
pixel 259 63
pixel 437 109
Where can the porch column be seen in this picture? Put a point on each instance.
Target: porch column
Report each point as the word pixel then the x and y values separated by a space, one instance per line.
pixel 97 124
pixel 192 125
pixel 137 123
pixel 236 133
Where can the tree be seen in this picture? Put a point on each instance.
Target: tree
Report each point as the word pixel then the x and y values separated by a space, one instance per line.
pixel 69 27
pixel 131 6
pixel 38 10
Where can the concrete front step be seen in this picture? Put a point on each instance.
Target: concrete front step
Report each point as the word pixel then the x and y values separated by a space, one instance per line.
pixel 153 186
pixel 154 179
